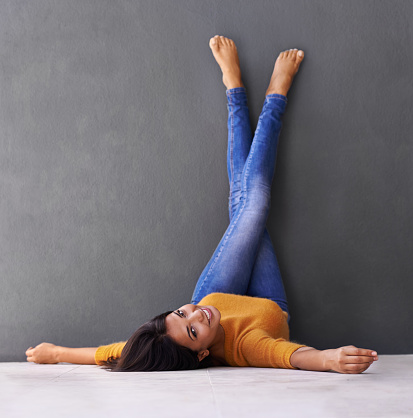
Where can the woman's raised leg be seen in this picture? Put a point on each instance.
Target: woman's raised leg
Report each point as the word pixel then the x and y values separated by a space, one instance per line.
pixel 231 265
pixel 265 280
pixel 242 239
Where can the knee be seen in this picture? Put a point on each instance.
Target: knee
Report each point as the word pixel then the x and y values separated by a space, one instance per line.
pixel 258 200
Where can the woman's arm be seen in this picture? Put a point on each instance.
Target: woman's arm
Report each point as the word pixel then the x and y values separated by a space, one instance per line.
pixel 46 353
pixel 348 359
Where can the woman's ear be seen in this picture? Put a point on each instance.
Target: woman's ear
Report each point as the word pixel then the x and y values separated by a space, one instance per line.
pixel 202 354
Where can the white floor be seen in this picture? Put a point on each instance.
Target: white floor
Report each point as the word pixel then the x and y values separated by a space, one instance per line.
pixel 67 390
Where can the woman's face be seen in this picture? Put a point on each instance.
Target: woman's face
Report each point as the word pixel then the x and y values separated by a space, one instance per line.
pixel 194 326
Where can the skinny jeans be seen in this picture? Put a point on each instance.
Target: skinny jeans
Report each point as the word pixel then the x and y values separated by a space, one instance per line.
pixel 244 261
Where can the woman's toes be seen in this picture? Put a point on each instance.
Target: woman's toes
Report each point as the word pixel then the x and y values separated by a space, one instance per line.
pixel 215 41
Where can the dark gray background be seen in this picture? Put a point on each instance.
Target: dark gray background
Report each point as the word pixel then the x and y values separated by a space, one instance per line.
pixel 113 164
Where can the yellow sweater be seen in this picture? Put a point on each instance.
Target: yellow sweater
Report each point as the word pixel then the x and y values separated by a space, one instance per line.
pixel 256 332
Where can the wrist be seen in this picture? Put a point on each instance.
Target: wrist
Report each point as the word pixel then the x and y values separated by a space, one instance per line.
pixel 327 359
pixel 59 354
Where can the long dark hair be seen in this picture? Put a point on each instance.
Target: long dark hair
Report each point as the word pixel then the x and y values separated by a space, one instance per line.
pixel 151 349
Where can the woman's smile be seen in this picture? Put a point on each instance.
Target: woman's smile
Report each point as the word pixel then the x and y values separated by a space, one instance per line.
pixel 208 314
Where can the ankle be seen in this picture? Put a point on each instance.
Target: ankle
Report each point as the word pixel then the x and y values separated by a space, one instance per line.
pixel 283 92
pixel 280 85
pixel 232 82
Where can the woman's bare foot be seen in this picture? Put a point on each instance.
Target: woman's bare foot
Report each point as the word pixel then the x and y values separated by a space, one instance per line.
pixel 285 68
pixel 226 54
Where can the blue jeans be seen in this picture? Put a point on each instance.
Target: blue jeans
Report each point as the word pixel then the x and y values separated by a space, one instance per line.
pixel 244 262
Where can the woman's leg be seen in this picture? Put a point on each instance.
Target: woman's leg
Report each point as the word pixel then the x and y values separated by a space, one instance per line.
pixel 239 143
pixel 265 280
pixel 230 267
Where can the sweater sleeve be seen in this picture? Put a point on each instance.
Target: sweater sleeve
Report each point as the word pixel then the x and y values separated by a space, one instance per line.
pixel 105 351
pixel 260 350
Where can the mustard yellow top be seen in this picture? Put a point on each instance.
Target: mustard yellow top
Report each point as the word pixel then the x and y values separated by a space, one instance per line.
pixel 256 332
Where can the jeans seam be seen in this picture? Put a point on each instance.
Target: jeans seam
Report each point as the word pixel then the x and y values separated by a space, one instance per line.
pixel 230 94
pixel 231 148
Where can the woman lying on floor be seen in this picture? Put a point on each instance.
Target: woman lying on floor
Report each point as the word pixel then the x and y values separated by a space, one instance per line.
pixel 238 315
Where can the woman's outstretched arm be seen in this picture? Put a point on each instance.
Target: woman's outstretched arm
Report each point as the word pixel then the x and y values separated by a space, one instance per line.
pixel 348 359
pixel 46 353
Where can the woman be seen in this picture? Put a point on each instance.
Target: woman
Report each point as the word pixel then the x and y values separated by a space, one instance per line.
pixel 238 315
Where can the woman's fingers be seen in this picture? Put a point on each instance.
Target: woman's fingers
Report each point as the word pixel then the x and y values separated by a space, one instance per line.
pixel 359 355
pixel 352 359
pixel 359 359
pixel 357 368
pixel 29 353
pixel 355 351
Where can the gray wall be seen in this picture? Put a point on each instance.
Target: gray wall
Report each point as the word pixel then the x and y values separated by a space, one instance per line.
pixel 113 180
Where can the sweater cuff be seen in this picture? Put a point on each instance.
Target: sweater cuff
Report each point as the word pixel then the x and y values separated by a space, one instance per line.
pixel 99 354
pixel 105 351
pixel 291 351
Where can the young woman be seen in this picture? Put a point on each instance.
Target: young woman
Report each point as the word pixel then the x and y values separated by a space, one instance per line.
pixel 238 315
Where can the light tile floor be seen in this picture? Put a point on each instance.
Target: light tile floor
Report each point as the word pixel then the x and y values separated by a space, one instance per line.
pixel 67 390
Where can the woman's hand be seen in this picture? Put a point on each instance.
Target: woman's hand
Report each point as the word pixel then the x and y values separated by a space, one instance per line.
pixel 44 353
pixel 349 359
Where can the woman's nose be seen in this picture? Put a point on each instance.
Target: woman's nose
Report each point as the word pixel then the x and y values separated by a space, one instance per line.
pixel 198 315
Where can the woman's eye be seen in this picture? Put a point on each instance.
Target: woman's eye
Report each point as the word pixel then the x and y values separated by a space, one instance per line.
pixel 181 312
pixel 193 332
